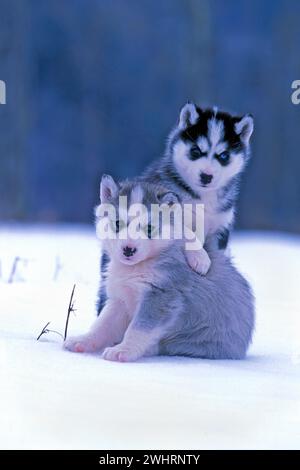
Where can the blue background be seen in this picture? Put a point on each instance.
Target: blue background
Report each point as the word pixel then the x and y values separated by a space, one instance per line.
pixel 95 86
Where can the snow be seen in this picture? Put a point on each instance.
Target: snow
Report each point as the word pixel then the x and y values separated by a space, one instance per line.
pixel 51 398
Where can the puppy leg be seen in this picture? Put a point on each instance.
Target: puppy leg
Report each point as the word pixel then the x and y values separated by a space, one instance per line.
pixel 198 260
pixel 108 329
pixel 136 343
pixel 195 254
pixel 159 308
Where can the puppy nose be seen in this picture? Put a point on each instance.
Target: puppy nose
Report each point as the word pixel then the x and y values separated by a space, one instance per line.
pixel 128 251
pixel 205 178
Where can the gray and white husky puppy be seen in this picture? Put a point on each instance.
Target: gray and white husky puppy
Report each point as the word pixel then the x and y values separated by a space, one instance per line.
pixel 205 157
pixel 155 303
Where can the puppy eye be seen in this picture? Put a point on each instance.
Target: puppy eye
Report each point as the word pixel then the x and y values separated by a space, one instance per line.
pixel 116 225
pixel 195 153
pixel 223 158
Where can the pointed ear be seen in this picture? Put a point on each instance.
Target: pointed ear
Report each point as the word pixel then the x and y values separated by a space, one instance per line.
pixel 244 128
pixel 188 115
pixel 169 198
pixel 108 189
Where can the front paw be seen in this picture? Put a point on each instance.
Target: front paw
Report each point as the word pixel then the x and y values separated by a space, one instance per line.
pixel 198 260
pixel 120 353
pixel 80 344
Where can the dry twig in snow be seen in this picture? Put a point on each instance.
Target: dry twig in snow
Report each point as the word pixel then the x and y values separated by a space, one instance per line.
pixel 71 308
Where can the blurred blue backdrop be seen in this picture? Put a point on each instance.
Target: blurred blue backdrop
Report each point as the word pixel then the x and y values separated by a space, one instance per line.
pixel 95 86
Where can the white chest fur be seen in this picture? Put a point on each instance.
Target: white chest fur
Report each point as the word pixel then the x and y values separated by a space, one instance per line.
pixel 214 219
pixel 128 283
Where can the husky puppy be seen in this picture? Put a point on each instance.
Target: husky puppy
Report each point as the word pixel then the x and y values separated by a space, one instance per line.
pixel 155 303
pixel 205 157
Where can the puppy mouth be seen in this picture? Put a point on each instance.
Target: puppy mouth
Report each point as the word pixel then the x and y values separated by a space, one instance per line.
pixel 207 186
pixel 129 260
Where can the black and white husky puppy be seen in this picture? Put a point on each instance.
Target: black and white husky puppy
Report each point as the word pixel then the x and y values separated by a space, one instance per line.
pixel 205 157
pixel 206 154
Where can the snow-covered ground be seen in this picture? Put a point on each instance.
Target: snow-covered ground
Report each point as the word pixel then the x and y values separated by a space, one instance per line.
pixel 50 398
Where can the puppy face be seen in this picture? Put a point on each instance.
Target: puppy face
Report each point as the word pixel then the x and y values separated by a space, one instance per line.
pixel 128 231
pixel 210 147
pixel 129 250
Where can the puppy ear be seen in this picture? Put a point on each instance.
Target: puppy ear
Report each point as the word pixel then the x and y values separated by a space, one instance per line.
pixel 108 189
pixel 244 128
pixel 169 198
pixel 189 115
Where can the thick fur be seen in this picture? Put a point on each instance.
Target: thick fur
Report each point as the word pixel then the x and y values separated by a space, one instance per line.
pixel 157 305
pixel 208 133
pixel 212 132
pixel 217 319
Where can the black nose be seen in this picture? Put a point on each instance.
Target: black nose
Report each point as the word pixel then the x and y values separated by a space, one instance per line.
pixel 128 251
pixel 205 178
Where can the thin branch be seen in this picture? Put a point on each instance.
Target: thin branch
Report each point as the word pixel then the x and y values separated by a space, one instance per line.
pixel 56 332
pixel 44 330
pixel 70 309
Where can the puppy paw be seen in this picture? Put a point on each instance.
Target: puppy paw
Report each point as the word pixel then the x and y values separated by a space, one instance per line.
pixel 120 353
pixel 198 260
pixel 80 344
